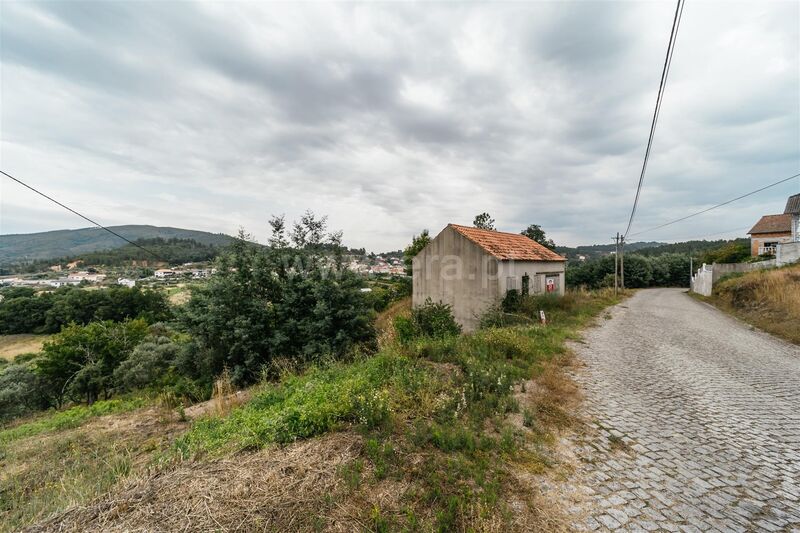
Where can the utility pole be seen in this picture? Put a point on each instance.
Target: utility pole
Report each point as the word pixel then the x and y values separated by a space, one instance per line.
pixel 616 263
pixel 622 261
pixel 691 270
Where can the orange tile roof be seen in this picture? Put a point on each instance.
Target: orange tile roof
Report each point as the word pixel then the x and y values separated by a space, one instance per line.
pixel 508 245
pixel 773 224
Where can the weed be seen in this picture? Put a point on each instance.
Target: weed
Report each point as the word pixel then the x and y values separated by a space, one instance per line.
pixel 351 473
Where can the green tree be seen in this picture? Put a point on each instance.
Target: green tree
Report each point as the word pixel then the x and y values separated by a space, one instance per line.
pixel 484 221
pixel 22 391
pixel 416 246
pixel 268 302
pixel 535 233
pixel 79 362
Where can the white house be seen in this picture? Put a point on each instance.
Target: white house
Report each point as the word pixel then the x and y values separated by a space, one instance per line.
pixel 163 273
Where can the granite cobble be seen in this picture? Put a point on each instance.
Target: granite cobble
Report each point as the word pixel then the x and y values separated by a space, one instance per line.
pixel 694 421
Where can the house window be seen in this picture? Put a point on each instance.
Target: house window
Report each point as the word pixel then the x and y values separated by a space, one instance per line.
pixel 526 284
pixel 511 283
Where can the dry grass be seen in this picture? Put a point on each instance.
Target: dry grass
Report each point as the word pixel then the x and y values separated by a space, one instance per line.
pixel 281 489
pixel 385 321
pixel 50 472
pixel 768 299
pixel 14 345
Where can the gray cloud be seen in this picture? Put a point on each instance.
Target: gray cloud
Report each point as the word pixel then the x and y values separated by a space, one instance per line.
pixel 395 117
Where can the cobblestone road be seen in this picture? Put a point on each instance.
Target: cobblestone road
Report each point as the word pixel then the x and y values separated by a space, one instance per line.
pixel 696 421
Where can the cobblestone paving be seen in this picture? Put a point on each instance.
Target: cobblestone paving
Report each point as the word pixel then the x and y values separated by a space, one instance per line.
pixel 696 421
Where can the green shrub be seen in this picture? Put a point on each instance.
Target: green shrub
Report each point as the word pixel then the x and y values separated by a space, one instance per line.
pixel 22 391
pixel 429 320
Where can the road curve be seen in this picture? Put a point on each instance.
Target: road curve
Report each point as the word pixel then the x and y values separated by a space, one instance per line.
pixel 695 417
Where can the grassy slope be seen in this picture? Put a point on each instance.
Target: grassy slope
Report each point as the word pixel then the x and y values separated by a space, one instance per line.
pixel 768 299
pixel 447 434
pixel 14 345
pixel 67 457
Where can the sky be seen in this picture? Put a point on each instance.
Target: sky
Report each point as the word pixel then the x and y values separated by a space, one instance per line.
pixel 394 117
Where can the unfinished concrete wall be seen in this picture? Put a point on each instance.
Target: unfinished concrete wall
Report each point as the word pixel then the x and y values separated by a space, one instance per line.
pixel 788 253
pixel 454 270
pixel 511 272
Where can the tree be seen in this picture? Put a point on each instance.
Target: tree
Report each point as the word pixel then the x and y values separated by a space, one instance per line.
pixel 80 361
pixel 22 391
pixel 268 302
pixel 416 246
pixel 484 221
pixel 535 233
pixel 278 225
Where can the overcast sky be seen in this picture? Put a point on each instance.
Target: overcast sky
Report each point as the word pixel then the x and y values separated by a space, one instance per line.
pixel 391 118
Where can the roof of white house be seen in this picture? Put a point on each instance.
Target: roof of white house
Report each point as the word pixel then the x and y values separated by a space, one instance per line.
pixel 507 245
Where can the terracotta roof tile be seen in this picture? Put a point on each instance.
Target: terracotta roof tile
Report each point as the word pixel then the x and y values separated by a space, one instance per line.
pixel 508 245
pixel 773 224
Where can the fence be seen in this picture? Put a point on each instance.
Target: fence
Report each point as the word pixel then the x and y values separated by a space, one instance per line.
pixel 703 281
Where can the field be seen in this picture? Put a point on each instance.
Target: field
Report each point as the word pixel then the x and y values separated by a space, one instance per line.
pixel 14 345
pixel 451 434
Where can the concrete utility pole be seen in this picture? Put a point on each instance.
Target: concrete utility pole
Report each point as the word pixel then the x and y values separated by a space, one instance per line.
pixel 616 263
pixel 691 270
pixel 622 261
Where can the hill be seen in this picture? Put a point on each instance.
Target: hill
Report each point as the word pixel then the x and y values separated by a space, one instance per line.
pixel 70 243
pixel 591 251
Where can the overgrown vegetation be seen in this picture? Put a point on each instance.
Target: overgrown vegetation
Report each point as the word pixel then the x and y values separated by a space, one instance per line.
pixel 768 299
pixel 429 320
pixel 23 310
pixel 435 414
pixel 280 301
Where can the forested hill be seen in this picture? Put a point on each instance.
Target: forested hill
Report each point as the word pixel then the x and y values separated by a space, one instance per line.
pixel 598 250
pixel 70 243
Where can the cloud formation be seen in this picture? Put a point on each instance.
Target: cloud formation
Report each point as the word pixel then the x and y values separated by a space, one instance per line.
pixel 391 118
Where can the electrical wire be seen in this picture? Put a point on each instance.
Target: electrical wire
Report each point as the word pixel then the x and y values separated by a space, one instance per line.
pixel 79 214
pixel 784 180
pixel 676 21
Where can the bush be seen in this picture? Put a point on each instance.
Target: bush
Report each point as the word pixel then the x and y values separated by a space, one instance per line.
pixel 79 362
pixel 274 302
pixel 430 320
pixel 152 364
pixel 22 392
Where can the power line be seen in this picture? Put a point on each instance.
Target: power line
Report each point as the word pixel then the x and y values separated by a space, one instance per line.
pixel 112 232
pixel 676 21
pixel 784 180
pixel 697 238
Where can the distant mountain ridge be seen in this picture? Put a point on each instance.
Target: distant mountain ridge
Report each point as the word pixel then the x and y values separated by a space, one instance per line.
pixel 72 242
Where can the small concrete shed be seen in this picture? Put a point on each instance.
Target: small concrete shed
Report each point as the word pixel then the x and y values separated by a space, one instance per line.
pixel 471 269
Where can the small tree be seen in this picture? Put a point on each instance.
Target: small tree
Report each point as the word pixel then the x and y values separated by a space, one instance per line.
pixel 535 233
pixel 484 221
pixel 416 246
pixel 80 361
